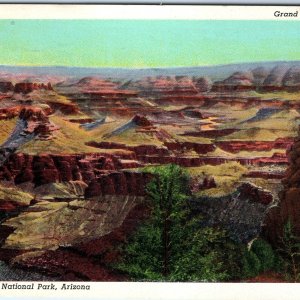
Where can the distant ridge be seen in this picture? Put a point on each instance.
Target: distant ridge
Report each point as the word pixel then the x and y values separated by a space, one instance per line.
pixel 215 72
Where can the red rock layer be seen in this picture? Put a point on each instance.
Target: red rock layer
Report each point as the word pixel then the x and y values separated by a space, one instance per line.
pixel 9 112
pixel 265 175
pixel 223 88
pixel 237 82
pixel 65 108
pixel 31 113
pixel 142 150
pixel 212 133
pixel 237 146
pixel 110 94
pixel 24 112
pixel 28 87
pixel 99 171
pixel 199 161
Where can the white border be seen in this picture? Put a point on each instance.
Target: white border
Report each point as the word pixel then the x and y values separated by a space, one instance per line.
pixel 143 12
pixel 162 291
pixel 149 291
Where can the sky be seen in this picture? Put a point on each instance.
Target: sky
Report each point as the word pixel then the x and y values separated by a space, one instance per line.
pixel 146 43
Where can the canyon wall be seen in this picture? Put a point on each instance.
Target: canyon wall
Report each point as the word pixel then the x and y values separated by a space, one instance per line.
pixel 289 205
pixel 99 171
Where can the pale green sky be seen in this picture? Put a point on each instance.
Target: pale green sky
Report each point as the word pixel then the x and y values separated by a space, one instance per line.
pixel 122 43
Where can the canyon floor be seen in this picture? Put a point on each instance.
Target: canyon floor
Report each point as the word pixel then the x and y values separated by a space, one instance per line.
pixel 74 151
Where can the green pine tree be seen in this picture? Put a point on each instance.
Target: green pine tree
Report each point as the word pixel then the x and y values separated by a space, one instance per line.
pixel 172 245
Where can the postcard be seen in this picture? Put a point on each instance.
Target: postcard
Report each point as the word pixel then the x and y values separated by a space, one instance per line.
pixel 149 152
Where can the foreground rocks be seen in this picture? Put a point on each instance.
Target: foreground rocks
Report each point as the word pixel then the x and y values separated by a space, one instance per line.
pixel 242 213
pixel 66 247
pixel 289 206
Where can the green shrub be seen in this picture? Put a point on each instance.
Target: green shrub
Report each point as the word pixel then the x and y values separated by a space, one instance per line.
pixel 251 265
pixel 290 252
pixel 265 254
pixel 259 258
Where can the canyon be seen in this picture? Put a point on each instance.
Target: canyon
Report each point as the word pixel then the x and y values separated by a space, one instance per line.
pixel 75 156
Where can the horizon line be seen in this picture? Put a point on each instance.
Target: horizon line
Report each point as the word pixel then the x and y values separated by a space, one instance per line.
pixel 148 68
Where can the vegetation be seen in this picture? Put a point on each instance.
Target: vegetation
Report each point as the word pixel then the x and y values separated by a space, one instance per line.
pixel 258 259
pixel 290 251
pixel 172 245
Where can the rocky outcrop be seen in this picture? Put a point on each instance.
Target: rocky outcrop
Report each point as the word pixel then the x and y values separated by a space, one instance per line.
pixel 63 224
pixel 203 84
pixel 31 113
pixel 83 260
pixel 13 199
pixel 98 171
pixel 141 121
pixel 9 112
pixel 37 122
pixel 25 112
pixel 6 86
pixel 242 213
pixel 32 123
pixel 200 183
pixel 118 183
pixel 65 108
pixel 28 87
pixel 237 82
pixel 289 205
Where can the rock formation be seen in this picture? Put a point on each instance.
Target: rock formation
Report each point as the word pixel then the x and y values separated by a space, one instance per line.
pixel 273 82
pixel 28 87
pixel 248 201
pixel 44 169
pixel 236 82
pixel 6 86
pixel 291 80
pixel 203 84
pixel 289 205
